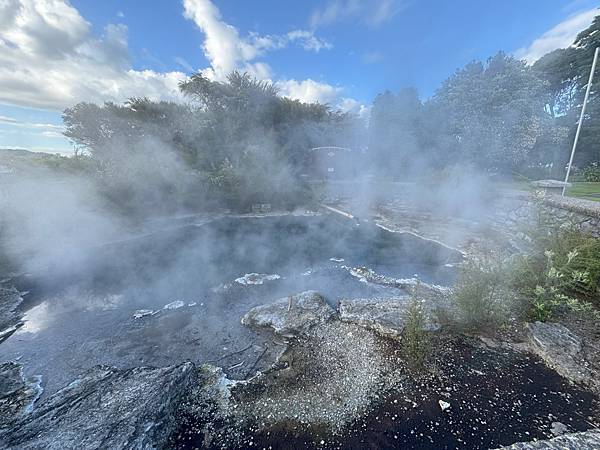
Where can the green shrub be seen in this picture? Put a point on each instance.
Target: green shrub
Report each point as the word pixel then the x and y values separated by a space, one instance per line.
pixel 554 288
pixel 415 340
pixel 561 273
pixel 481 295
pixel 591 173
pixel 570 252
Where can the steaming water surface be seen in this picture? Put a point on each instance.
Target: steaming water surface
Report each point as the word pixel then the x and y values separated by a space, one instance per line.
pixel 85 316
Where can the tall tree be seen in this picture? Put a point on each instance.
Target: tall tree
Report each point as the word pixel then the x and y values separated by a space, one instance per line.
pixel 566 73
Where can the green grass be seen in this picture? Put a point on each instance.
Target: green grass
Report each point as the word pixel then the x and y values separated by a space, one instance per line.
pixel 588 191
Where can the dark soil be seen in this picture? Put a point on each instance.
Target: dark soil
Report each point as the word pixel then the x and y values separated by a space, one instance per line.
pixel 497 397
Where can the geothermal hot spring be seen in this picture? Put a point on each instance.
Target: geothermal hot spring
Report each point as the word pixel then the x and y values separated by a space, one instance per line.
pixel 178 294
pixel 172 296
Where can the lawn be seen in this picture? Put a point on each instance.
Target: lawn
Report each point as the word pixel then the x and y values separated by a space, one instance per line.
pixel 588 191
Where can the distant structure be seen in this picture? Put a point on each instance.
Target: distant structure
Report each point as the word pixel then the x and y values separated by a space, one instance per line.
pixel 331 162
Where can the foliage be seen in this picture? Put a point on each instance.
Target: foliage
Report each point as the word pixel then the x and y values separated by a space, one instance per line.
pixel 238 143
pixel 562 271
pixel 481 295
pixel 415 341
pixel 492 115
pixel 495 114
pixel 557 286
pixel 591 173
pixel 565 73
pixel 394 132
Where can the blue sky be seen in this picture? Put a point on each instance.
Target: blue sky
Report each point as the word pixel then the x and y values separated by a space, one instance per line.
pixel 54 53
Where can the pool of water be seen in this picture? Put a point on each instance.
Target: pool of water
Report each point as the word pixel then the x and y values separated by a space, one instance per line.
pixel 82 314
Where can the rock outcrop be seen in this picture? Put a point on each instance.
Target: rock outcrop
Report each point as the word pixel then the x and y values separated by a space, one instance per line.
pixel 586 440
pixel 385 316
pixel 291 316
pixel 17 394
pixel 560 349
pixel 10 319
pixel 106 408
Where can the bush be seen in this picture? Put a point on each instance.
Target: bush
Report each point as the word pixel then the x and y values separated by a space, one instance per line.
pixel 415 341
pixel 561 272
pixel 561 283
pixel 591 173
pixel 481 295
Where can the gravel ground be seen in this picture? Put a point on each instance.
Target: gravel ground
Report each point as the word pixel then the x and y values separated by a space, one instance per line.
pixel 346 387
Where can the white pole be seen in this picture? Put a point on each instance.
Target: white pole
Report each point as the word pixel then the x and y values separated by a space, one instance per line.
pixel 585 99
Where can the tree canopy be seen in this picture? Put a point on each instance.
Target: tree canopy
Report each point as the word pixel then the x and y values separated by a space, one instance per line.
pixel 235 143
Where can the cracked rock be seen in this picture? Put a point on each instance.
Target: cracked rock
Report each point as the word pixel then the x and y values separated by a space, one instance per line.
pixel 291 316
pixel 105 408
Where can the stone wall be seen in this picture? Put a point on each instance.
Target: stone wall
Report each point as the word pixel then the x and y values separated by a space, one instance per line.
pixel 515 210
pixel 585 214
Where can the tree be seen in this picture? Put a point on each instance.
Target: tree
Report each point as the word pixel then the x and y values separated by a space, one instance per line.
pixel 394 131
pixel 566 73
pixel 237 143
pixel 494 115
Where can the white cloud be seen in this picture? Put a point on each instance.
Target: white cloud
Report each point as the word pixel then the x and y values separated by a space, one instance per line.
pixel 183 63
pixel 370 12
pixel 12 122
pixel 383 11
pixel 559 36
pixel 309 91
pixel 49 59
pixel 309 41
pixel 52 134
pixel 8 120
pixel 226 50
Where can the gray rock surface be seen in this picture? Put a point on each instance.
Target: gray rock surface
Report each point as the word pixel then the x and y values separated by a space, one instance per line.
pixel 549 184
pixel 587 440
pixel 10 319
pixel 328 379
pixel 409 285
pixel 17 394
pixel 291 316
pixel 558 428
pixel 383 315
pixel 560 349
pixel 105 409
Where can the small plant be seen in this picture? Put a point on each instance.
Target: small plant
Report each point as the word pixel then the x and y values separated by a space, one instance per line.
pixel 415 340
pixel 550 296
pixel 591 173
pixel 561 273
pixel 481 296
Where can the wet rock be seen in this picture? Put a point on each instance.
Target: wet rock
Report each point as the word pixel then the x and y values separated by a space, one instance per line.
pixel 206 410
pixel 17 394
pixel 587 440
pixel 174 305
pixel 385 316
pixel 139 313
pixel 106 408
pixel 10 319
pixel 560 349
pixel 256 278
pixel 410 285
pixel 291 316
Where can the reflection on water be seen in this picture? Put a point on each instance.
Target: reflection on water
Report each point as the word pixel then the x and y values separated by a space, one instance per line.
pixel 37 319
